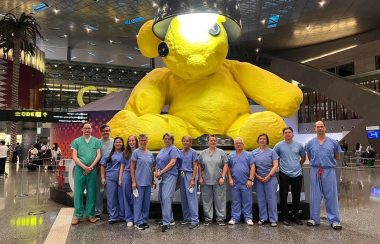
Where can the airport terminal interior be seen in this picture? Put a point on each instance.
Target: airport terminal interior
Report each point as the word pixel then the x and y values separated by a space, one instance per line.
pixel 232 68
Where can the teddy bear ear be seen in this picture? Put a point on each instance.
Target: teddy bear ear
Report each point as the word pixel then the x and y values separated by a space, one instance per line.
pixel 147 41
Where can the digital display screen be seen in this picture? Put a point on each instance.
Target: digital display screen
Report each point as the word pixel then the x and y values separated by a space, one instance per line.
pixel 373 134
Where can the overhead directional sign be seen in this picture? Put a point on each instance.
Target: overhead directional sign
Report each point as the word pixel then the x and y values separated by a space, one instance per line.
pixel 43 116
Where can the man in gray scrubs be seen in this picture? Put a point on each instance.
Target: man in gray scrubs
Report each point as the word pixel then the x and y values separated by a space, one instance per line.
pixel 212 172
pixel 107 143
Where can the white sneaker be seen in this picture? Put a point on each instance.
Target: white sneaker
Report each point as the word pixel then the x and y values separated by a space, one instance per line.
pixel 311 222
pixel 231 222
pixel 130 224
pixel 273 224
pixel 336 226
pixel 249 222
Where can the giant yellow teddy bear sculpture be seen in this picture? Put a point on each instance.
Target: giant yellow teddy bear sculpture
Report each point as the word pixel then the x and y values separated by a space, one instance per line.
pixel 206 93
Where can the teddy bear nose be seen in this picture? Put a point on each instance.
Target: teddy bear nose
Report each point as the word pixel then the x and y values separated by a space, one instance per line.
pixel 196 59
pixel 163 49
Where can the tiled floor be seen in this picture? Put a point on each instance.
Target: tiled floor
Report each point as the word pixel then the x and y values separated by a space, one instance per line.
pixel 359 206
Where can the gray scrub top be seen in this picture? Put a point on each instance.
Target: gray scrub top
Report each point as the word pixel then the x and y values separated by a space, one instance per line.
pixel 212 166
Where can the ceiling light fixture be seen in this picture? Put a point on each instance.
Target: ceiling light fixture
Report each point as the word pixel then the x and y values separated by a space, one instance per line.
pixel 116 19
pixel 110 61
pixel 263 21
pixel 168 9
pixel 322 3
pixel 55 10
pixel 259 39
pixel 328 54
pixel 257 50
pixel 154 4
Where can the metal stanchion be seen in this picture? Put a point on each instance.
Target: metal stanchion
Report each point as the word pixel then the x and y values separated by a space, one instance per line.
pixel 22 195
pixel 38 212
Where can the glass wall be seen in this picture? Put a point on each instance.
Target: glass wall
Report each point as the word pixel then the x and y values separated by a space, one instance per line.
pixel 71 85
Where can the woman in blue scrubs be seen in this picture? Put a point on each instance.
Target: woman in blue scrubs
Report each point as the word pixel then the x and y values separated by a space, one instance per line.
pixel 266 163
pixel 110 168
pixel 167 172
pixel 188 186
pixel 142 163
pixel 125 180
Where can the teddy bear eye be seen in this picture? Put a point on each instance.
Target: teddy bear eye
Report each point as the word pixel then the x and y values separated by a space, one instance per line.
pixel 215 30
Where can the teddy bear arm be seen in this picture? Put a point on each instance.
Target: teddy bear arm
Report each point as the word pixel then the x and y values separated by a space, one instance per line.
pixel 266 88
pixel 148 96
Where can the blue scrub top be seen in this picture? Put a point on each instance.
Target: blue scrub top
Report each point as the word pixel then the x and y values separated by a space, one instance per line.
pixel 322 155
pixel 290 155
pixel 188 159
pixel 165 155
pixel 144 164
pixel 263 160
pixel 127 167
pixel 113 166
pixel 240 166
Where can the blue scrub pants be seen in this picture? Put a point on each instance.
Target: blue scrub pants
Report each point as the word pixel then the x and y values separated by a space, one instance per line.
pixel 126 186
pixel 241 202
pixel 189 201
pixel 166 193
pixel 114 199
pixel 326 187
pixel 141 205
pixel 267 196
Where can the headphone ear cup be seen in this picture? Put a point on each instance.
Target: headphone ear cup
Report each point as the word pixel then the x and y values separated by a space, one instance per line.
pixel 163 49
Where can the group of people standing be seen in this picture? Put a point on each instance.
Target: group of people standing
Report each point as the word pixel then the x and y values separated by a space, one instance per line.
pixel 129 172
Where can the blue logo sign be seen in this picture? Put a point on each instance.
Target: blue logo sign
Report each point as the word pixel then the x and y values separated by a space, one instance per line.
pixel 40 7
pixel 133 21
pixel 373 134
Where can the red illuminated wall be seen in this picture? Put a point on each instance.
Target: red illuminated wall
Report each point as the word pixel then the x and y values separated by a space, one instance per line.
pixel 30 82
pixel 65 133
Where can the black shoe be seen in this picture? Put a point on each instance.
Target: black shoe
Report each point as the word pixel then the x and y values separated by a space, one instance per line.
pixel 298 221
pixel 286 221
pixel 165 228
pixel 98 217
pixel 220 223
pixel 146 226
pixel 140 227
pixel 194 226
pixel 207 222
pixel 111 222
pixel 172 223
pixel 185 222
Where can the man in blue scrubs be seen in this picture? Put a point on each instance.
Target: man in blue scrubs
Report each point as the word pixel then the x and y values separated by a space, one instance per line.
pixel 241 175
pixel 292 156
pixel 323 153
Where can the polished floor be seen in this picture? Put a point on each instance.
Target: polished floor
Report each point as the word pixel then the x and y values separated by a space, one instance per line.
pixel 359 191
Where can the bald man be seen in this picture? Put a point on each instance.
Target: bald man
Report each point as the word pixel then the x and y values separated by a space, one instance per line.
pixel 323 154
pixel 241 175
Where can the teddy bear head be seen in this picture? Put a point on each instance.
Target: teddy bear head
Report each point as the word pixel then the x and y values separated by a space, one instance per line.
pixel 191 49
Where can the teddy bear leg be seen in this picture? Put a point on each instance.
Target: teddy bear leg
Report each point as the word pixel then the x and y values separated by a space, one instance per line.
pixel 249 126
pixel 126 123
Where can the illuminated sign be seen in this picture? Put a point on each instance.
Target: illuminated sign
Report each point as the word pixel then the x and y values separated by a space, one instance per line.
pixel 373 134
pixel 375 127
pixel 273 21
pixel 43 116
pixel 133 21
pixel 40 7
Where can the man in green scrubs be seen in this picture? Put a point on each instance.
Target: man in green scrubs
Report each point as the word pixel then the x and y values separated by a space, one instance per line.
pixel 86 154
